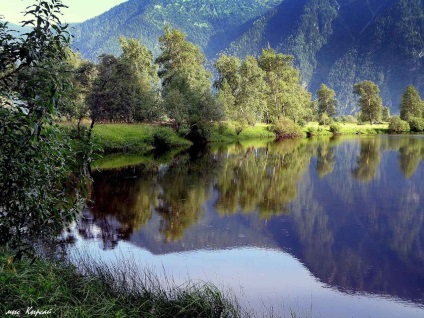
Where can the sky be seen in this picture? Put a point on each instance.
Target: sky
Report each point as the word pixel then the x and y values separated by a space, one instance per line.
pixel 78 11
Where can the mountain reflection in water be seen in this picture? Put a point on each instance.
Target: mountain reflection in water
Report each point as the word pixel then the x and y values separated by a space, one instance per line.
pixel 351 210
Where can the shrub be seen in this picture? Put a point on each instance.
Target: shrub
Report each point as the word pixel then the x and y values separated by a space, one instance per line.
pixel 286 128
pixel 311 131
pixel 162 139
pixel 222 127
pixel 397 125
pixel 301 123
pixel 238 127
pixel 324 119
pixel 416 124
pixel 183 130
pixel 335 129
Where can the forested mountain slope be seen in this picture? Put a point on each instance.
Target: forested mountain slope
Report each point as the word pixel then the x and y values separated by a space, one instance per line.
pixel 211 24
pixel 342 42
pixel 336 42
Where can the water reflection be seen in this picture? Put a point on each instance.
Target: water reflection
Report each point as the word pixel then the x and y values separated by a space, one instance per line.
pixel 351 210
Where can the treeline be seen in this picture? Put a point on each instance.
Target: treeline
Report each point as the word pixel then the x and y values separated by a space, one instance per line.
pixel 176 87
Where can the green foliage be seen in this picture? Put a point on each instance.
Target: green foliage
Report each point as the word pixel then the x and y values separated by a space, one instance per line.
pixel 411 104
pixel 385 115
pixel 313 31
pixel 114 138
pixel 369 101
pixel 264 89
pixel 397 125
pixel 284 95
pixel 336 129
pixel 235 132
pixel 285 128
pixel 327 102
pixel 35 155
pixel 126 88
pixel 324 119
pixel 416 124
pixel 186 85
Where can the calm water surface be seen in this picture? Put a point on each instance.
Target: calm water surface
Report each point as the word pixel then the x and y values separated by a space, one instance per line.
pixel 327 228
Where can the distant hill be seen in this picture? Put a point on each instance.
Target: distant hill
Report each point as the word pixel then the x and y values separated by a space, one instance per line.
pixel 17 29
pixel 336 42
pixel 212 24
pixel 342 42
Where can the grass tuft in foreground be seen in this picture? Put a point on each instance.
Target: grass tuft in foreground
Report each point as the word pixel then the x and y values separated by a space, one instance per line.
pixel 104 291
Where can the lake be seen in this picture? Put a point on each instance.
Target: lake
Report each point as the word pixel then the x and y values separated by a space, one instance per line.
pixel 320 227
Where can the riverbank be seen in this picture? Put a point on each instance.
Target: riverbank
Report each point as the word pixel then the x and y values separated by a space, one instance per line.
pixel 59 290
pixel 346 129
pixel 142 138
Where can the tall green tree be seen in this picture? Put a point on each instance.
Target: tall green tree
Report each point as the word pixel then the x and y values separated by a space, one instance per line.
pixel 251 96
pixel 370 102
pixel 228 84
pixel 242 88
pixel 411 104
pixel 327 102
pixel 140 61
pixel 284 95
pixel 127 87
pixel 186 84
pixel 114 94
pixel 35 154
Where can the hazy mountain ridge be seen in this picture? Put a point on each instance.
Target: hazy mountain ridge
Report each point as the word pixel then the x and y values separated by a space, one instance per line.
pixel 210 24
pixel 346 41
pixel 336 42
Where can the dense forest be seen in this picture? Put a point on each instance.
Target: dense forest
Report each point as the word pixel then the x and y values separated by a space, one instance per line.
pixel 337 42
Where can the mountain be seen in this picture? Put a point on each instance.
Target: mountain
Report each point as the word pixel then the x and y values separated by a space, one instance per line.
pixel 342 42
pixel 211 24
pixel 336 42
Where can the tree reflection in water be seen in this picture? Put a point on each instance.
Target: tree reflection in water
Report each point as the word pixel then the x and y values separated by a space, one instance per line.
pixel 349 209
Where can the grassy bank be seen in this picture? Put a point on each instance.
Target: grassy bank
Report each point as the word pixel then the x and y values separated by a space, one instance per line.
pixel 346 129
pixel 113 138
pixel 141 138
pixel 104 292
pixel 226 132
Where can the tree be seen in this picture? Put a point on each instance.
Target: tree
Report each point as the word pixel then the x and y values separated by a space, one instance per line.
pixel 186 84
pixel 140 61
pixel 114 93
pixel 385 114
pixel 327 102
pixel 242 89
pixel 369 101
pixel 411 104
pixel 35 154
pixel 251 97
pixel 285 96
pixel 127 87
pixel 228 84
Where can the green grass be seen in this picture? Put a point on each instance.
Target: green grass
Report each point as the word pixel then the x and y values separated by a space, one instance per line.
pixel 134 137
pixel 121 160
pixel 105 291
pixel 226 132
pixel 348 129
